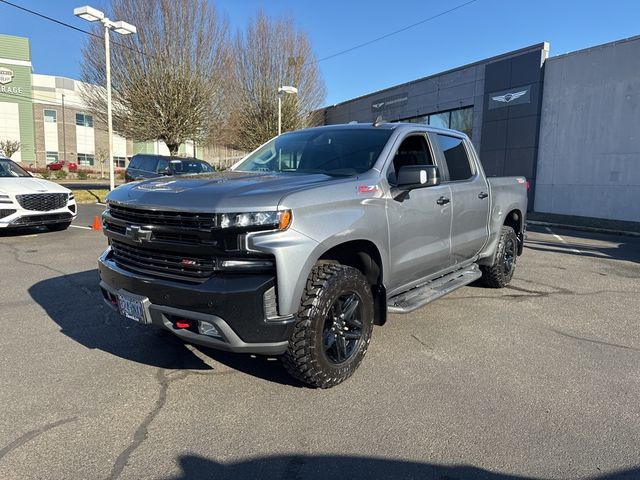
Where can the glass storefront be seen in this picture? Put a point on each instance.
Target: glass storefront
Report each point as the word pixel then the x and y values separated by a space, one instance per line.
pixel 460 119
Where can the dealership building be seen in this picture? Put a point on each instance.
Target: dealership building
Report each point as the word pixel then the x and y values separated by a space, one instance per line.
pixel 47 115
pixel 569 123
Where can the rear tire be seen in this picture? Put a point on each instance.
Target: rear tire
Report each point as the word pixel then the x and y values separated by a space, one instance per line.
pixel 500 273
pixel 58 227
pixel 333 326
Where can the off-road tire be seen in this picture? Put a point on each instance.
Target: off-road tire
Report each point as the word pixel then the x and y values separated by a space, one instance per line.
pixel 58 227
pixel 306 359
pixel 498 275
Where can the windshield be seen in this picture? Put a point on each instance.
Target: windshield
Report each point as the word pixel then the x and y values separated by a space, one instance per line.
pixel 341 152
pixel 11 169
pixel 180 167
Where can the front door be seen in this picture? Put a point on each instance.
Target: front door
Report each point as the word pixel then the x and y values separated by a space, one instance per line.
pixel 419 222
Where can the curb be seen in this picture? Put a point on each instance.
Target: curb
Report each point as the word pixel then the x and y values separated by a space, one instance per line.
pixel 585 228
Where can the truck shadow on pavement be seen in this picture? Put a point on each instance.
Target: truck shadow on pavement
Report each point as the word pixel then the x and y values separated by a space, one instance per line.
pixel 609 247
pixel 75 303
pixel 298 467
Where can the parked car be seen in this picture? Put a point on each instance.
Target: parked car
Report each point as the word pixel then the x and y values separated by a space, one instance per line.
pixel 310 240
pixel 143 166
pixel 26 201
pixel 71 166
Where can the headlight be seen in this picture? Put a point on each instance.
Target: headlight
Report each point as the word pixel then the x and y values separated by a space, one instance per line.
pixel 277 220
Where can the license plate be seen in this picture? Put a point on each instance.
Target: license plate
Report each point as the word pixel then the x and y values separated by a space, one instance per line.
pixel 131 308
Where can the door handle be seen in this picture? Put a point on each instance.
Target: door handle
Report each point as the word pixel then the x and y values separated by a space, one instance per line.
pixel 482 195
pixel 443 201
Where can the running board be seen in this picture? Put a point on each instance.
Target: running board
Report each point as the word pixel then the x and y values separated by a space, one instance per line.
pixel 419 296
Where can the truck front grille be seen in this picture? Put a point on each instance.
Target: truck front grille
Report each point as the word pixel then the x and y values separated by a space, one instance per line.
pixel 182 220
pixel 162 263
pixel 43 202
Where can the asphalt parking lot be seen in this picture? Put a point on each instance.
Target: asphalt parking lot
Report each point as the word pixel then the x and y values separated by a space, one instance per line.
pixel 539 380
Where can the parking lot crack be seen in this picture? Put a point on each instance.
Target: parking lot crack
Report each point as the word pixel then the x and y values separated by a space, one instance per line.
pixel 591 340
pixel 30 435
pixel 140 435
pixel 16 255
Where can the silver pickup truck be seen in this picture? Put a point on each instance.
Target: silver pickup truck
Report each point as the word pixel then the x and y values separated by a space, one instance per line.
pixel 308 242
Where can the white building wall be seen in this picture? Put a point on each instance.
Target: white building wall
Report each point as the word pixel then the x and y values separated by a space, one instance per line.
pixel 589 150
pixel 10 125
pixel 51 136
pixel 119 146
pixel 85 139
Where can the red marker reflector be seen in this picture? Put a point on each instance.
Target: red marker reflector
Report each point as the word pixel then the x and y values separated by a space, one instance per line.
pixel 528 184
pixel 183 323
pixel 367 188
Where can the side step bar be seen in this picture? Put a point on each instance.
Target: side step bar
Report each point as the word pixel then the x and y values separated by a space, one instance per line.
pixel 419 296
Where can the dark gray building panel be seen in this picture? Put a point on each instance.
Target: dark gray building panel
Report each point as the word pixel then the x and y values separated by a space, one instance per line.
pixel 504 136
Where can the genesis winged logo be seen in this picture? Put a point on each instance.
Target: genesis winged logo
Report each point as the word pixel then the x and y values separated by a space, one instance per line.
pixel 508 97
pixel 6 75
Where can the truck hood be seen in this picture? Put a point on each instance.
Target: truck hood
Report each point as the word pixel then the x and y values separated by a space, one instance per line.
pixel 24 185
pixel 216 192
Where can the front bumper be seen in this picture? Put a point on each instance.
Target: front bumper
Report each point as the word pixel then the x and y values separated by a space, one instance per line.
pixel 234 304
pixel 14 216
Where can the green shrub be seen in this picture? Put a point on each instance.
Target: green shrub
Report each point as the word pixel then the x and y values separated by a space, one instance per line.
pixel 61 174
pixel 82 175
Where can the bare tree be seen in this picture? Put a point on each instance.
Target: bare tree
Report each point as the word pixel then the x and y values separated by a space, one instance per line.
pixel 271 53
pixel 102 156
pixel 166 79
pixel 9 147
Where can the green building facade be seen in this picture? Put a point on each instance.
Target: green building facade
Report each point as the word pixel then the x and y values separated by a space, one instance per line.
pixel 16 95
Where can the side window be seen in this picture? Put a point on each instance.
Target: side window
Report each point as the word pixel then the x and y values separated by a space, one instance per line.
pixel 412 151
pixel 162 165
pixel 456 157
pixel 135 162
pixel 149 164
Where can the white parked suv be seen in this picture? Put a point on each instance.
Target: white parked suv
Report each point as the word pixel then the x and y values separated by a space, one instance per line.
pixel 26 201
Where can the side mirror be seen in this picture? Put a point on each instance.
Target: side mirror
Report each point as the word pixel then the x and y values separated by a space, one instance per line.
pixel 418 176
pixel 164 171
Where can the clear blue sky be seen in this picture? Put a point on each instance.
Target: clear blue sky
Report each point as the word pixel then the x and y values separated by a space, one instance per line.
pixel 477 31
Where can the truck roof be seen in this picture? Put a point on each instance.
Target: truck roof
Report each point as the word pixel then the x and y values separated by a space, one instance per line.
pixel 387 126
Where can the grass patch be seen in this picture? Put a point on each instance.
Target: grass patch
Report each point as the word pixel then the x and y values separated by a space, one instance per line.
pixel 90 196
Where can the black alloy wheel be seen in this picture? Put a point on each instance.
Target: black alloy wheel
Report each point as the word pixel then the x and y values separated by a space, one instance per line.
pixel 342 331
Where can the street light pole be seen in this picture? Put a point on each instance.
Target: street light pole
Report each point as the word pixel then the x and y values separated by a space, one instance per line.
pixel 107 52
pixel 279 114
pixel 91 14
pixel 281 90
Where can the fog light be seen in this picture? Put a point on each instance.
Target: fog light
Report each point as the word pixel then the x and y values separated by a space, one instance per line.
pixel 209 329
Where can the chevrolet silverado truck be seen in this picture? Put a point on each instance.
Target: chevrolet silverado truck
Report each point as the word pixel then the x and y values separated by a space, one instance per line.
pixel 311 240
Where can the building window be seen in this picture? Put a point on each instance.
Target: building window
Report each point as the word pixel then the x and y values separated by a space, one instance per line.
pixel 440 120
pixel 51 157
pixel 119 162
pixel 50 116
pixel 85 159
pixel 84 120
pixel 460 119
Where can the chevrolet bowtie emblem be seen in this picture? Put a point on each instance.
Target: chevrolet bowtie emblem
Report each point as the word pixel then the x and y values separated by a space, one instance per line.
pixel 138 234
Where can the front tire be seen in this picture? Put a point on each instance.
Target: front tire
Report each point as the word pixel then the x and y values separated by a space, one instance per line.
pixel 500 273
pixel 333 326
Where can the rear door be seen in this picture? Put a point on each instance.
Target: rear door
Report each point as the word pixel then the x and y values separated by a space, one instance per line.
pixel 469 198
pixel 419 223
